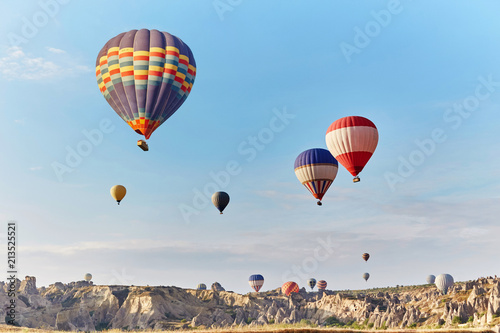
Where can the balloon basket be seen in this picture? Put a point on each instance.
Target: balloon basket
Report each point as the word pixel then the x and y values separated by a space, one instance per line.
pixel 143 145
pixel 319 203
pixel 356 179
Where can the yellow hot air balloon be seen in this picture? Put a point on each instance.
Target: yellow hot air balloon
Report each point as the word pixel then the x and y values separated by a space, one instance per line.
pixel 118 192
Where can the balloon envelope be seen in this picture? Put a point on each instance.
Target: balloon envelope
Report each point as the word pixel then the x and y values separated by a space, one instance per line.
pixel 366 276
pixel 316 169
pixel 352 141
pixel 201 286
pixel 312 282
pixel 289 287
pixel 430 279
pixel 118 192
pixel 321 285
pixel 256 281
pixel 88 277
pixel 220 200
pixel 443 282
pixel 365 256
pixel 145 76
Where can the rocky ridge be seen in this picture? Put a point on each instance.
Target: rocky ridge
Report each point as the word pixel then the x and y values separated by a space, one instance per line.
pixel 83 306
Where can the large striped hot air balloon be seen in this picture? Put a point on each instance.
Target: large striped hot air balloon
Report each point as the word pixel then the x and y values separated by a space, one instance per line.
pixel 256 281
pixel 430 279
pixel 289 287
pixel 365 256
pixel 352 141
pixel 322 285
pixel 316 169
pixel 220 200
pixel 312 283
pixel 366 276
pixel 201 286
pixel 88 277
pixel 145 76
pixel 443 282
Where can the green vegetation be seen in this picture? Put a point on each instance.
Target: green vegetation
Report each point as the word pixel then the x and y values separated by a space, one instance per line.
pixel 249 320
pixel 333 322
pixel 456 320
pixel 101 326
pixel 471 319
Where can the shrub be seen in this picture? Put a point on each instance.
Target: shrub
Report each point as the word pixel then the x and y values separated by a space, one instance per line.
pixel 370 325
pixel 471 319
pixel 456 320
pixel 306 322
pixel 332 321
pixel 271 321
pixel 249 320
pixel 414 325
pixel 183 320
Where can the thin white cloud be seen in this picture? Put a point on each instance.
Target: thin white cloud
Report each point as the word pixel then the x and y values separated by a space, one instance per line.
pixel 20 121
pixel 35 168
pixel 54 50
pixel 17 65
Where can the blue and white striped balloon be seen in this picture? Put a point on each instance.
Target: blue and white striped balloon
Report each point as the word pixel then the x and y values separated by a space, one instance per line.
pixel 256 281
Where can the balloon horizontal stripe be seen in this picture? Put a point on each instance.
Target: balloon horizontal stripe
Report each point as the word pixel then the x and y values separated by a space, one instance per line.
pixel 350 122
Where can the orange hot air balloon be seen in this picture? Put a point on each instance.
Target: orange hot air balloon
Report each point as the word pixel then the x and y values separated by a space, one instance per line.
pixel 322 285
pixel 289 287
pixel 365 256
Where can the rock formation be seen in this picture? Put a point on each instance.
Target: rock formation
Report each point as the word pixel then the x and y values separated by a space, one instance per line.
pixel 81 306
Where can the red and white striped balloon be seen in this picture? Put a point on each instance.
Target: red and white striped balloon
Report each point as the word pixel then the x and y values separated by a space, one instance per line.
pixel 352 141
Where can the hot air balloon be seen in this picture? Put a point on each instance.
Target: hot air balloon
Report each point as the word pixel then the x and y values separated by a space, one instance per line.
pixel 366 276
pixel 145 76
pixel 118 192
pixel 88 277
pixel 289 287
pixel 316 169
pixel 256 281
pixel 443 282
pixel 201 286
pixel 321 285
pixel 312 283
pixel 220 200
pixel 430 279
pixel 365 256
pixel 352 141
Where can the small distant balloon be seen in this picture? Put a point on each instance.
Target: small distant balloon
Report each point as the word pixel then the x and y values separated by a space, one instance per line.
pixel 118 192
pixel 88 277
pixel 366 256
pixel 312 283
pixel 366 276
pixel 256 281
pixel 201 286
pixel 220 200
pixel 322 285
pixel 289 287
pixel 443 282
pixel 431 279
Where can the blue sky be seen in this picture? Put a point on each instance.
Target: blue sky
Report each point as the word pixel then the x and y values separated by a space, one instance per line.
pixel 418 68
